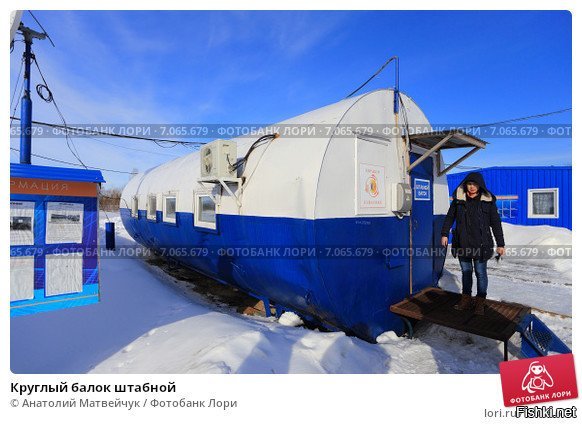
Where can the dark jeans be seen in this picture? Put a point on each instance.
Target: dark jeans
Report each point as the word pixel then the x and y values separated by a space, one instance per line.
pixel 467 265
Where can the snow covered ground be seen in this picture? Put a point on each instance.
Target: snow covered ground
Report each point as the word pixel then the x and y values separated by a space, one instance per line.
pixel 147 322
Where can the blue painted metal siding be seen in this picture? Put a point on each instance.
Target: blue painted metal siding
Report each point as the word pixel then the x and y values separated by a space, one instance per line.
pixel 340 290
pixel 511 185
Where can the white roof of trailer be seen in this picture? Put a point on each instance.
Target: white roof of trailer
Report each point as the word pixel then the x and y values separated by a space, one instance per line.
pixel 289 166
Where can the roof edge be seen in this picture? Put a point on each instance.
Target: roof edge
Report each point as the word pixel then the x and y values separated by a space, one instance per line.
pixel 20 170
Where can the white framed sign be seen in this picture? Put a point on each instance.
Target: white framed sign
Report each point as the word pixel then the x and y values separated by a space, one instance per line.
pixel 370 166
pixel 372 186
pixel 421 189
pixel 64 222
pixel 64 274
pixel 21 223
pixel 21 278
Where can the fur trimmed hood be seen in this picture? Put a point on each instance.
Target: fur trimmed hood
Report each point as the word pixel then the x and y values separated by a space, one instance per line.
pixel 486 195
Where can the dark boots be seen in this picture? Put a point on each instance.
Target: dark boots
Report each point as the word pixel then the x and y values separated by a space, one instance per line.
pixel 479 306
pixel 465 303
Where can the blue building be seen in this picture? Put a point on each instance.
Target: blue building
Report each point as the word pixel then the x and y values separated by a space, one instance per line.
pixel 54 218
pixel 528 195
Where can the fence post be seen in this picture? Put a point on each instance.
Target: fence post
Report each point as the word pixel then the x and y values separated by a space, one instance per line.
pixel 110 235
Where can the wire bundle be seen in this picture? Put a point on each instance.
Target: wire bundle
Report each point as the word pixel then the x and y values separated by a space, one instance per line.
pixel 239 163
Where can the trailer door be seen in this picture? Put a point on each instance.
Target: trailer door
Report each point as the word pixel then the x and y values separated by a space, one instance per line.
pixel 421 180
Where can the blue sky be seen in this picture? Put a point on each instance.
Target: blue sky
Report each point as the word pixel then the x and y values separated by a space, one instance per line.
pixel 261 67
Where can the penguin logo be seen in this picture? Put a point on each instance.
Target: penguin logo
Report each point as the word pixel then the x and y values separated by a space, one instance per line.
pixel 537 378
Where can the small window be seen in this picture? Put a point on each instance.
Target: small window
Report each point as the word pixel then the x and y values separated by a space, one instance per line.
pixel 152 206
pixel 542 203
pixel 134 206
pixel 507 208
pixel 205 211
pixel 21 223
pixel 170 209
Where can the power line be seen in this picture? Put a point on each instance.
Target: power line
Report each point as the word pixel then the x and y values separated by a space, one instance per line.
pixel 41 27
pixel 75 164
pixel 19 94
pixel 372 77
pixel 524 118
pixel 83 131
pixel 130 148
pixel 16 86
pixel 50 99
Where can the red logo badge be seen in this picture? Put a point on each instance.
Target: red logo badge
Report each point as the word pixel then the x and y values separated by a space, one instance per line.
pixel 536 380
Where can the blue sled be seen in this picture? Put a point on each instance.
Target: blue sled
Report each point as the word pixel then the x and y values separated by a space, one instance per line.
pixel 537 339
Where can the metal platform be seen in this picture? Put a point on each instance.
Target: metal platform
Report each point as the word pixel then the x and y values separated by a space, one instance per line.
pixel 436 306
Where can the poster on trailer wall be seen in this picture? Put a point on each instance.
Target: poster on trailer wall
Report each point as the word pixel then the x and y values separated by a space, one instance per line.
pixel 372 192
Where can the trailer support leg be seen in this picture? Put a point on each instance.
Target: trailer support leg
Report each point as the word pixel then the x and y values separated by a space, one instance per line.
pixel 279 311
pixel 267 305
pixel 408 327
pixel 505 355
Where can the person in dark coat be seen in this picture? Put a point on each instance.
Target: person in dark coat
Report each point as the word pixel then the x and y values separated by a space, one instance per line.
pixel 475 212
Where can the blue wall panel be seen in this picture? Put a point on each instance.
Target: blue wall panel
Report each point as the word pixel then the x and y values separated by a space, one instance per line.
pixel 511 184
pixel 343 287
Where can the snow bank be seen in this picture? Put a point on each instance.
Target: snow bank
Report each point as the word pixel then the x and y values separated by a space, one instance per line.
pixel 387 337
pixel 290 319
pixel 539 236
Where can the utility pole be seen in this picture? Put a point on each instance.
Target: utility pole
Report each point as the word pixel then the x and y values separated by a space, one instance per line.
pixel 26 105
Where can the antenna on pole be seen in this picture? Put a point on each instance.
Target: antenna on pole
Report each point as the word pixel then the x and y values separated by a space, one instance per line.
pixel 26 105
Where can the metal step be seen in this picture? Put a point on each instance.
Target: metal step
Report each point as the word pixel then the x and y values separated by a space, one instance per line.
pixel 537 339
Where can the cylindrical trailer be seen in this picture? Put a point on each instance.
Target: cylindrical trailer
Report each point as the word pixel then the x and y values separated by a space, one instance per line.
pixel 314 222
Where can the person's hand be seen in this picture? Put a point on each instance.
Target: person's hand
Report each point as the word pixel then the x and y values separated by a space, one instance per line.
pixel 444 241
pixel 501 251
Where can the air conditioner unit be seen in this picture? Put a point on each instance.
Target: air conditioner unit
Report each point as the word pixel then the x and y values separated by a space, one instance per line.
pixel 216 159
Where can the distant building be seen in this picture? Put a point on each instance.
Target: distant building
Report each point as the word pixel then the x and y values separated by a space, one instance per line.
pixel 528 195
pixel 54 218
